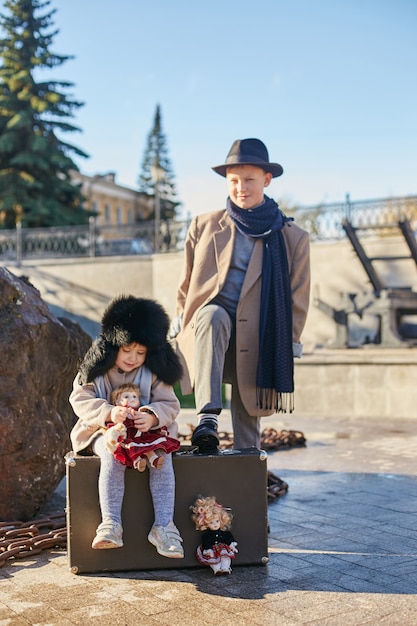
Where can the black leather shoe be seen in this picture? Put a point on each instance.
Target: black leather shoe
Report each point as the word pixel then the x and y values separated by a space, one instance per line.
pixel 205 438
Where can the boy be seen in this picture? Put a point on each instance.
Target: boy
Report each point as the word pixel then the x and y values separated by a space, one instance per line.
pixel 242 301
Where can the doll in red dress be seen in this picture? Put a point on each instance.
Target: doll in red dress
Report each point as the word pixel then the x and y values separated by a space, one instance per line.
pixel 218 546
pixel 130 446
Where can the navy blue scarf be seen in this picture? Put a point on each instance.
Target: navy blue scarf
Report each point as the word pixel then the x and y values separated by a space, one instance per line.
pixel 275 373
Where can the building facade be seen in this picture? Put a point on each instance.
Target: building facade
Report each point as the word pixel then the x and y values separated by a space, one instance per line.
pixel 113 204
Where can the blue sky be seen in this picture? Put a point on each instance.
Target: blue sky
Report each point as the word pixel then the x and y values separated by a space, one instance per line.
pixel 330 86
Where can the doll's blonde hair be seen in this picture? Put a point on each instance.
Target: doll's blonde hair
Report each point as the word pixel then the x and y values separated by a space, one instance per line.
pixel 205 509
pixel 117 392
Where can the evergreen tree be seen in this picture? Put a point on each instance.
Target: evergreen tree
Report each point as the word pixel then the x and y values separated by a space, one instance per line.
pixel 156 156
pixel 35 165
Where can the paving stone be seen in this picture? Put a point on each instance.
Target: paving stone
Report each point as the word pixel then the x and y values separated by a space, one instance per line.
pixel 342 548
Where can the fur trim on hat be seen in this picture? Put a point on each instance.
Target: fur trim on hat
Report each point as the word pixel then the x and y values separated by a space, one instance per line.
pixel 128 320
pixel 135 320
pixel 99 359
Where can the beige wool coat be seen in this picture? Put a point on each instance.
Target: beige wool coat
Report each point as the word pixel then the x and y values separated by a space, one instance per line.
pixel 208 253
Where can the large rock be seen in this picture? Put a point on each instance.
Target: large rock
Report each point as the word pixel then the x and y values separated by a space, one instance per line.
pixel 39 360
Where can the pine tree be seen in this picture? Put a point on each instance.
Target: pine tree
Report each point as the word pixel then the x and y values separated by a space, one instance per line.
pixel 156 155
pixel 35 165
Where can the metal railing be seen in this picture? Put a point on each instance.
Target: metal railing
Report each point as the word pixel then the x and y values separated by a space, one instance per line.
pixel 323 222
pixel 90 240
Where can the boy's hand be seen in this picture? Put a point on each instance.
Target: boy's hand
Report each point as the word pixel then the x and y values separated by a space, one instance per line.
pixel 145 420
pixel 175 327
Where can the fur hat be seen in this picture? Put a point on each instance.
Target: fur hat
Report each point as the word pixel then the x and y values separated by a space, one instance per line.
pixel 128 320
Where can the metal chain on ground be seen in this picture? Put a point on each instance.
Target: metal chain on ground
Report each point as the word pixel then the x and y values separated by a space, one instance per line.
pixel 20 540
pixel 271 439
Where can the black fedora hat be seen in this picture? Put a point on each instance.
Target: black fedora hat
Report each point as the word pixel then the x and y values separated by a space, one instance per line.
pixel 249 152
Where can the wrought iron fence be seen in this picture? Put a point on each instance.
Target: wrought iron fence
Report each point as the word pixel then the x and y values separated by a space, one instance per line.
pixel 90 240
pixel 323 222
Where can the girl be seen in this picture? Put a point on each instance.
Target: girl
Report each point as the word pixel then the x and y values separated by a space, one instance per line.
pixel 132 348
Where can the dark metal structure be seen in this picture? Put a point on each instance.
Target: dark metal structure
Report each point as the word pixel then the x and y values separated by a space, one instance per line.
pixel 394 308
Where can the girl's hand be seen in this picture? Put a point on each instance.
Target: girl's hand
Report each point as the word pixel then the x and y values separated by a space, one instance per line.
pixel 144 421
pixel 118 414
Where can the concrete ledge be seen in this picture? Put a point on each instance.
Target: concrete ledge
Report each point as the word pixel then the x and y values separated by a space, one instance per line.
pixel 367 354
pixel 367 382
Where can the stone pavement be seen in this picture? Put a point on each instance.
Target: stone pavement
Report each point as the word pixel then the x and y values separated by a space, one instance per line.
pixel 342 543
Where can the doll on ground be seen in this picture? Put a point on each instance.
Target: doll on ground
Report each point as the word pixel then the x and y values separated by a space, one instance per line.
pixel 129 445
pixel 218 546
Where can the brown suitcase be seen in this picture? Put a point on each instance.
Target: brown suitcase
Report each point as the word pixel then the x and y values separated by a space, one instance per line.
pixel 237 478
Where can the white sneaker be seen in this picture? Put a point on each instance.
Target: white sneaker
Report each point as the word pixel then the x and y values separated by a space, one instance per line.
pixel 167 541
pixel 108 535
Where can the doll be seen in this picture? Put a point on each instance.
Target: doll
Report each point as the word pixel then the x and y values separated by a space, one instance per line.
pixel 131 446
pixel 218 546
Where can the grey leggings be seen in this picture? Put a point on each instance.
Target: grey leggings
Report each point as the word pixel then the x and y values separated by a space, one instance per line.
pixel 111 486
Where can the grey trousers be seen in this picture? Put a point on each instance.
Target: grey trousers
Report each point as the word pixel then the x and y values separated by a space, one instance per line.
pixel 215 351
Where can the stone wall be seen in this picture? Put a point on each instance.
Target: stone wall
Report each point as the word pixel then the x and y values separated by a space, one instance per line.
pixel 355 382
pixel 81 288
